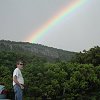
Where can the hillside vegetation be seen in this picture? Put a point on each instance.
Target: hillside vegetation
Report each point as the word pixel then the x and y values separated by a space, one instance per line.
pixel 78 79
pixel 49 53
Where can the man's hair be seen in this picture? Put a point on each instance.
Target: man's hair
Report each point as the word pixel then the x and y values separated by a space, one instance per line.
pixel 18 62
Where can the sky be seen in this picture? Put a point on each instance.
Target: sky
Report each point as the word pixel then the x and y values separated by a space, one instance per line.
pixel 78 30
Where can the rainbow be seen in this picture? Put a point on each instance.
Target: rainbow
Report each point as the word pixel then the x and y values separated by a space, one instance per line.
pixel 44 29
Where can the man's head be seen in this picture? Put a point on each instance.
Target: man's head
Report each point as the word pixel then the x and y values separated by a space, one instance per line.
pixel 20 64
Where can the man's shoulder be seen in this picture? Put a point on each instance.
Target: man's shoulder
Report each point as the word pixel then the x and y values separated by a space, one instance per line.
pixel 16 69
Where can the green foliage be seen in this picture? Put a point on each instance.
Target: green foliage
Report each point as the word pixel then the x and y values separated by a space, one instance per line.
pixel 70 81
pixel 63 80
pixel 91 56
pixel 5 77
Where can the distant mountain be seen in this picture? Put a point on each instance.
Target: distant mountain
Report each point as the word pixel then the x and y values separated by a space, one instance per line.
pixel 50 53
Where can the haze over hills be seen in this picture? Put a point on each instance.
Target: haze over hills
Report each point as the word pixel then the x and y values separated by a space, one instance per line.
pixel 39 50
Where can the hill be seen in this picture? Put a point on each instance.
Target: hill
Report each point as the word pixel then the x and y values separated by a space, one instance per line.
pixel 50 53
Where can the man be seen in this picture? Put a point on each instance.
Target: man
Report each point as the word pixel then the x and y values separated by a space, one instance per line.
pixel 18 81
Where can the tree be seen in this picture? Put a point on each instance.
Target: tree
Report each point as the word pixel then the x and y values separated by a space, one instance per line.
pixel 91 56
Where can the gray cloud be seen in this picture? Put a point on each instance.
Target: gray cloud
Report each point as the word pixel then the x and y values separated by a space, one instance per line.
pixel 80 30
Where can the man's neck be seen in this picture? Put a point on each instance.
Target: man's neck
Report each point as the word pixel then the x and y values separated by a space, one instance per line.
pixel 18 68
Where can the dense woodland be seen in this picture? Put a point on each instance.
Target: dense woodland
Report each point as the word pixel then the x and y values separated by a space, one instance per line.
pixel 77 79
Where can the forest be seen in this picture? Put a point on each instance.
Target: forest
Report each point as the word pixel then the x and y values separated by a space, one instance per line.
pixel 77 79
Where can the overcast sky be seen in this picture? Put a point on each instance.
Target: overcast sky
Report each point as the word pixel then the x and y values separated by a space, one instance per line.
pixel 76 32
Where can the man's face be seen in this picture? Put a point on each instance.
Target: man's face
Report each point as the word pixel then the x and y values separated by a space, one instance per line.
pixel 20 65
